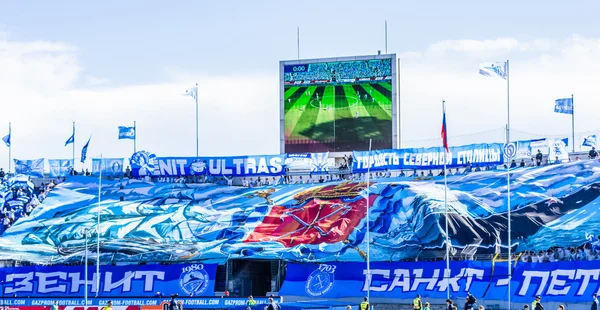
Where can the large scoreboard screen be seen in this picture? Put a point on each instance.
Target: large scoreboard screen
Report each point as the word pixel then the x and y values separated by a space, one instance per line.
pixel 338 104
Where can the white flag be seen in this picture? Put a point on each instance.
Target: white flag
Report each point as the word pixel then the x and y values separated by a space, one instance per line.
pixel 493 69
pixel 192 92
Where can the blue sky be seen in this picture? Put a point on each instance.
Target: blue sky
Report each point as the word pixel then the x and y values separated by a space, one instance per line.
pixel 104 64
pixel 133 42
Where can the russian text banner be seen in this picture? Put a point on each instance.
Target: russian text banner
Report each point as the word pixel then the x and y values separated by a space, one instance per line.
pixel 573 281
pixel 429 158
pixel 131 280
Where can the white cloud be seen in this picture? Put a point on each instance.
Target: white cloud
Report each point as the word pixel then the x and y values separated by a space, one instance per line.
pixel 239 114
pixel 541 71
pixel 474 46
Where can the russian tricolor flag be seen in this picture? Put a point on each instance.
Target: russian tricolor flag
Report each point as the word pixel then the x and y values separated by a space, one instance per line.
pixel 444 129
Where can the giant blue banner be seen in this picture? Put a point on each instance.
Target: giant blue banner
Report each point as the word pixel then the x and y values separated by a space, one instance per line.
pixel 130 280
pixel 144 163
pixel 573 281
pixel 429 158
pixel 32 168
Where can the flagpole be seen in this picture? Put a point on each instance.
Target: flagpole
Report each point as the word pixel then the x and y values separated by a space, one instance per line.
pixel 98 230
pixel 73 148
pixel 447 276
pixel 508 183
pixel 9 147
pixel 135 136
pixel 197 120
pixel 368 234
pixel 86 266
pixel 573 122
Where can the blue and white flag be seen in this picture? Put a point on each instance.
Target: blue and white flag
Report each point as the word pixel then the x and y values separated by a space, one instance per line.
pixel 493 69
pixel 60 167
pixel 70 140
pixel 6 140
pixel 109 166
pixel 558 149
pixel 126 132
pixel 33 168
pixel 589 141
pixel 84 151
pixel 192 92
pixel 564 105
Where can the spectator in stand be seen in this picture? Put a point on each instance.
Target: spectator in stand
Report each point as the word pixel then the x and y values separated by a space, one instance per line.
pixel 513 164
pixel 538 158
pixel 522 163
pixel 469 168
pixel 557 161
pixel 532 163
pixel 477 169
pixel 593 154
pixel 550 256
pixel 5 223
pixel 560 254
pixel 594 302
pixel 2 174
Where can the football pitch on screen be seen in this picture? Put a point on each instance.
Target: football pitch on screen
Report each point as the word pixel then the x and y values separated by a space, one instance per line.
pixel 348 112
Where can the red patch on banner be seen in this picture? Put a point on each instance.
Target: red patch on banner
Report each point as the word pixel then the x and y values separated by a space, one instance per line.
pixel 318 220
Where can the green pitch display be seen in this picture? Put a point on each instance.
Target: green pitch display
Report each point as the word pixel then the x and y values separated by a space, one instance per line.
pixel 338 117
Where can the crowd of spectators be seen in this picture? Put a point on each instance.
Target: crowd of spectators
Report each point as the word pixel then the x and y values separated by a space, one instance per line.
pixel 20 198
pixel 588 251
pixel 343 172
pixel 351 70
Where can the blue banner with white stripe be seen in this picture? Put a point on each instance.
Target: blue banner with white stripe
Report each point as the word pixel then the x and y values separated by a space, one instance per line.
pixel 144 163
pixel 123 281
pixel 567 281
pixel 429 158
